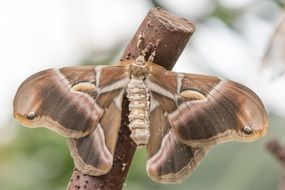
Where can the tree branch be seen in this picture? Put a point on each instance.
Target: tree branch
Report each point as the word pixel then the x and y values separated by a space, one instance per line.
pixel 171 35
pixel 278 151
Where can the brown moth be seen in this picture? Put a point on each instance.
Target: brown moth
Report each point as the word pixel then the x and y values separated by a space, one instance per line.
pixel 177 116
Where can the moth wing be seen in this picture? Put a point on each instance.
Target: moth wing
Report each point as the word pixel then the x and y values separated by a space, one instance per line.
pixel 190 113
pixel 169 161
pixel 93 154
pixel 69 101
pixel 208 110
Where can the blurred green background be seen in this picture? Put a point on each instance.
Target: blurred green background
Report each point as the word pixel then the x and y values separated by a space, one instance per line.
pixel 33 159
pixel 39 159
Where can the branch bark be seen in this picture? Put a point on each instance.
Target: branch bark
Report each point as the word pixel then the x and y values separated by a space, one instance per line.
pixel 278 151
pixel 171 35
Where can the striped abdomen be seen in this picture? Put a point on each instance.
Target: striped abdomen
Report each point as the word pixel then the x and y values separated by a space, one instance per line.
pixel 138 96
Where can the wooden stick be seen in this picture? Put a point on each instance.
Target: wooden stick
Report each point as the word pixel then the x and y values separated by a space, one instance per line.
pixel 170 35
pixel 278 151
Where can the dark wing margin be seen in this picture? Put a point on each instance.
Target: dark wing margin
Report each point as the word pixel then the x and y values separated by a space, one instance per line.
pixel 169 161
pixel 67 100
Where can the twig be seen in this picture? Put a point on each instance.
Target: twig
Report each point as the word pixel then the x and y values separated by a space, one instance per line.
pixel 171 35
pixel 278 151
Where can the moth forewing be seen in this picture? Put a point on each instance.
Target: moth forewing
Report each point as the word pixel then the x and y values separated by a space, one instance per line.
pixel 218 111
pixel 49 96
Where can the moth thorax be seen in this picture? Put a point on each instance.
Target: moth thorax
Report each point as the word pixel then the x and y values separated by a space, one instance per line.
pixel 138 96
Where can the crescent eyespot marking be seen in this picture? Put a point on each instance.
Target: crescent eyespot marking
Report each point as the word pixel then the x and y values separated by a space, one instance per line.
pixel 193 95
pixel 84 86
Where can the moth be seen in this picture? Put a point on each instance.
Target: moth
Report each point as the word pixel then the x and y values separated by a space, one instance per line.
pixel 178 117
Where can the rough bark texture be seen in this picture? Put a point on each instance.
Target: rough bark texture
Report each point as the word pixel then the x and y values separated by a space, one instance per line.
pixel 169 34
pixel 278 151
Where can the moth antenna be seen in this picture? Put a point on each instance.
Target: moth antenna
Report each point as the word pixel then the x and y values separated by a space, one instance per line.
pixel 140 44
pixel 151 57
pixel 143 52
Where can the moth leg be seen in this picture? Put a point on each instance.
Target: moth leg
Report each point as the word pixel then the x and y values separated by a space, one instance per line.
pixel 140 60
pixel 147 49
pixel 140 43
pixel 151 57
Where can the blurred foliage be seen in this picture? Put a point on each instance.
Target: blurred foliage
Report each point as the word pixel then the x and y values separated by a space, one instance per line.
pixel 104 57
pixel 39 159
pixel 34 159
pixel 234 166
pixel 226 15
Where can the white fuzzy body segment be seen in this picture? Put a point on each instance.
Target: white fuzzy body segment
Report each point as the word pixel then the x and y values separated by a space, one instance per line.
pixel 138 96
